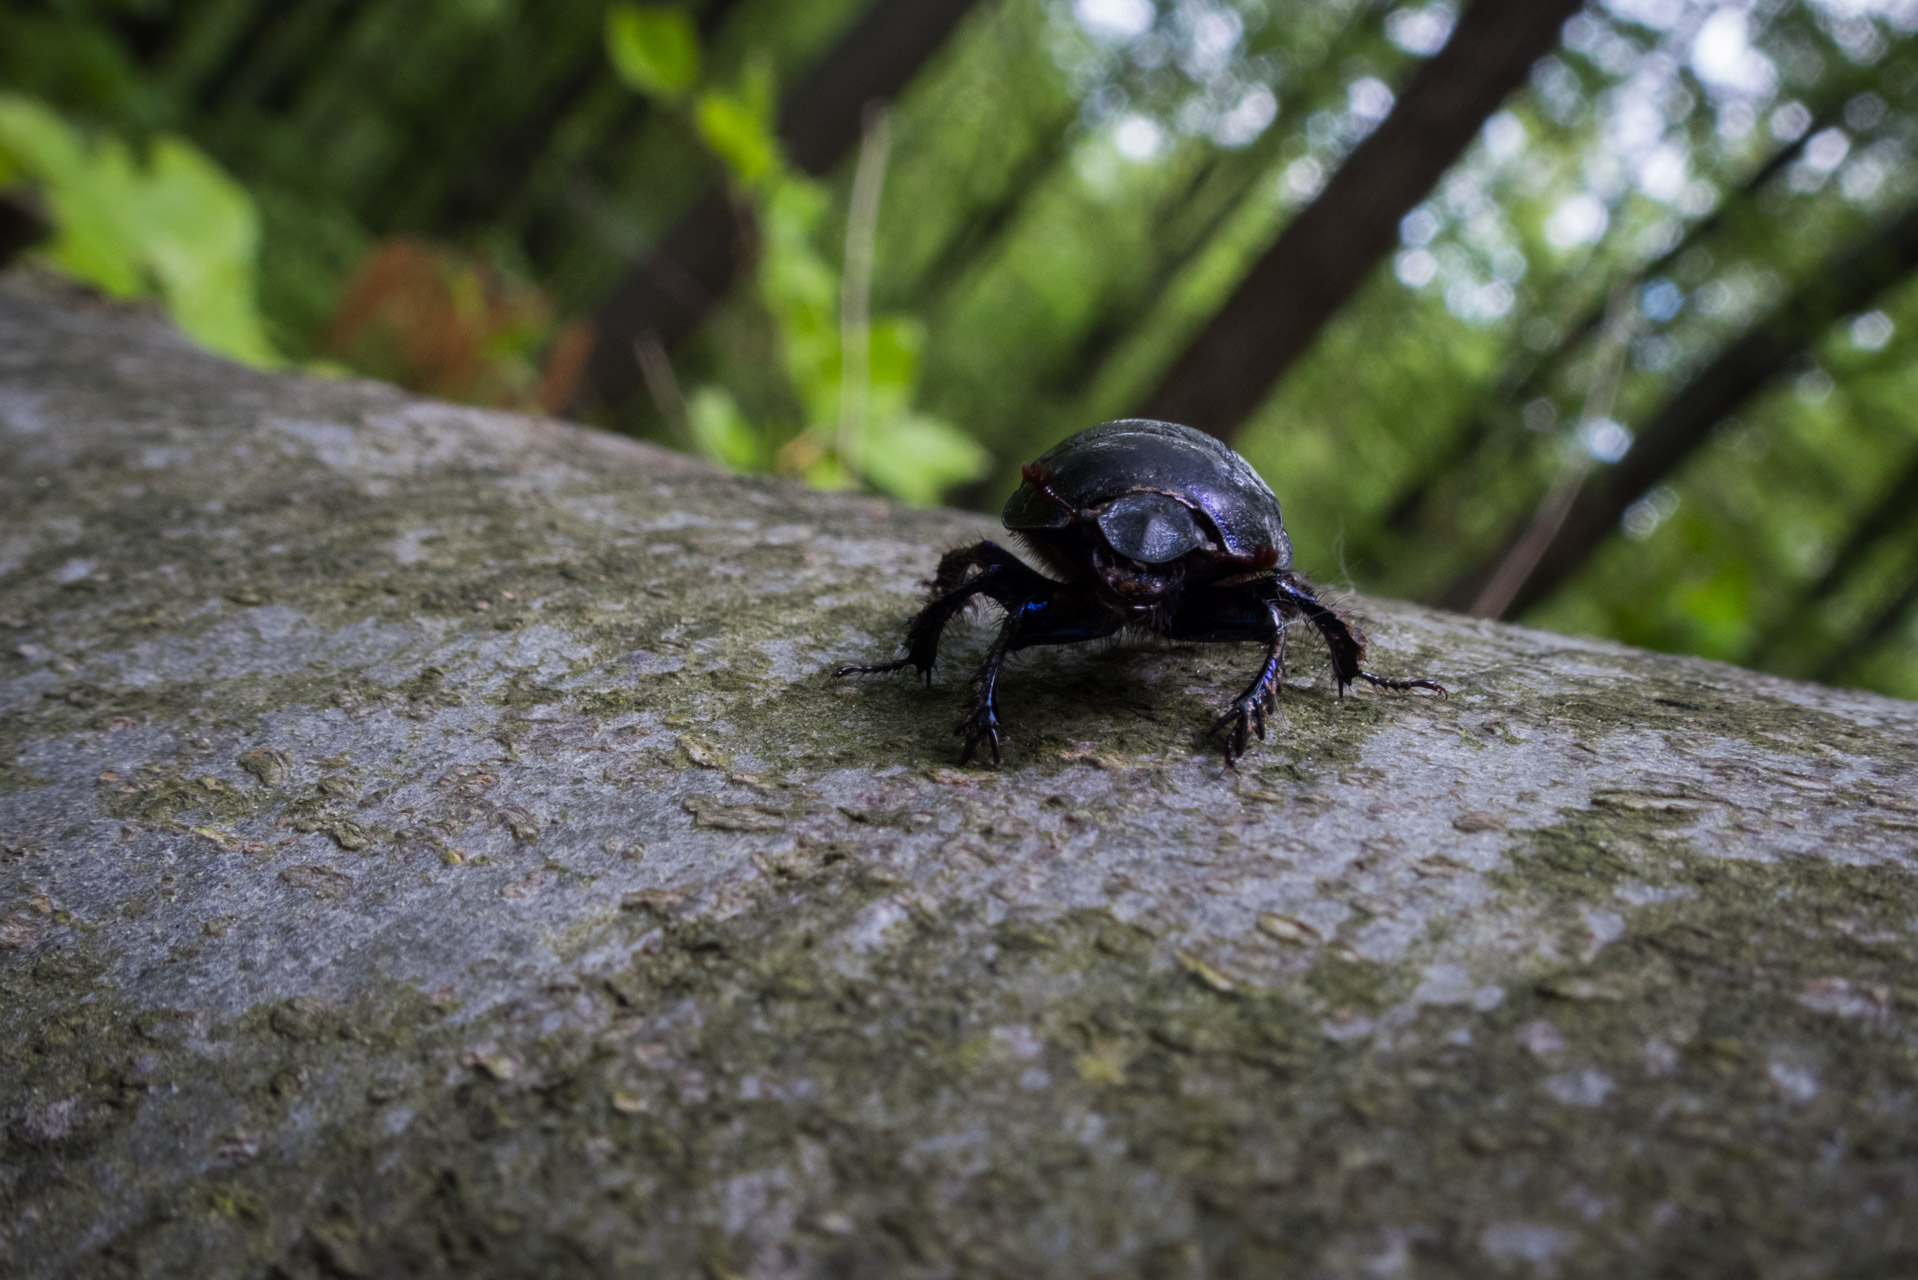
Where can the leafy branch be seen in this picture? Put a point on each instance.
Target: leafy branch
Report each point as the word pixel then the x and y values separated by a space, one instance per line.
pixel 171 224
pixel 853 374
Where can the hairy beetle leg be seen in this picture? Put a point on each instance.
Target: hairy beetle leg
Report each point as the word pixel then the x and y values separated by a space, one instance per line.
pixel 881 669
pixel 1385 682
pixel 1345 641
pixel 980 724
pixel 1246 715
pixel 983 569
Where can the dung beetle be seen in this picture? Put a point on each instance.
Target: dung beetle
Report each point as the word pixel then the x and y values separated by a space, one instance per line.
pixel 1146 527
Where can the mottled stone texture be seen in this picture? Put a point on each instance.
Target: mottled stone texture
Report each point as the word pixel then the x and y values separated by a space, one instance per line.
pixel 430 847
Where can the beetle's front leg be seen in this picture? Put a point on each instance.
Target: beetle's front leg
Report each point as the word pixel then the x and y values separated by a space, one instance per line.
pixel 1247 713
pixel 1063 615
pixel 1243 612
pixel 980 721
pixel 985 568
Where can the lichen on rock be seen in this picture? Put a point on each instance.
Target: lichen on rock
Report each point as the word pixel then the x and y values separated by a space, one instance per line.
pixel 430 845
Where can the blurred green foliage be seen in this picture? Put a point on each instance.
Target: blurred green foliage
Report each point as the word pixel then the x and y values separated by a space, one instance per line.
pixel 170 224
pixel 655 50
pixel 1071 189
pixel 852 376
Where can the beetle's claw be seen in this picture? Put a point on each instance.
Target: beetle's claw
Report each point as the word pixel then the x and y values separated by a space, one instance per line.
pixel 975 734
pixel 1244 718
pixel 1240 721
pixel 979 725
pixel 877 669
pixel 1384 682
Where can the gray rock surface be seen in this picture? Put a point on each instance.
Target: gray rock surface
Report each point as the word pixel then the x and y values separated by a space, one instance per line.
pixel 427 845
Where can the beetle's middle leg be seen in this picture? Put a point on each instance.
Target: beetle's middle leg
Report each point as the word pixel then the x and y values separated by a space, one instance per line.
pixel 985 568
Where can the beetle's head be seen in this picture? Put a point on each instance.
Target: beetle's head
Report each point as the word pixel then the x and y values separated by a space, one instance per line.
pixel 1132 588
pixel 1143 540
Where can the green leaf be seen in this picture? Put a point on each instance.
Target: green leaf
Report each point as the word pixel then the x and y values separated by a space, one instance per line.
pixel 654 50
pixel 178 226
pixel 200 236
pixel 36 141
pixel 758 82
pixel 90 195
pixel 918 458
pixel 721 430
pixel 738 134
pixel 800 289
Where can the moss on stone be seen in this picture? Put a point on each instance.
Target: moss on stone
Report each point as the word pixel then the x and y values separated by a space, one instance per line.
pixel 433 847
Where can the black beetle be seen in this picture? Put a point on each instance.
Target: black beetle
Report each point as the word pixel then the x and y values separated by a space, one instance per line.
pixel 1150 527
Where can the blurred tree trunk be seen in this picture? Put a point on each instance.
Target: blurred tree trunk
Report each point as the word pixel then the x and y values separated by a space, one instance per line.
pixel 1328 250
pixel 1844 283
pixel 981 232
pixel 1876 629
pixel 1527 376
pixel 1206 206
pixel 272 54
pixel 1896 509
pixel 672 289
pixel 1213 196
pixel 496 177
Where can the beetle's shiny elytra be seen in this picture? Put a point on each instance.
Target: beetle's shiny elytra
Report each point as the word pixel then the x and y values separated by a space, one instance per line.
pixel 1137 456
pixel 1146 526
